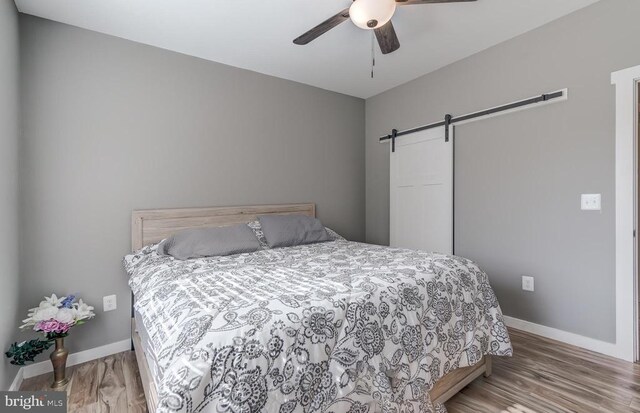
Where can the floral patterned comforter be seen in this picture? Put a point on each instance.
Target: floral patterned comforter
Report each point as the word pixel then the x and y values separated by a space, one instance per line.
pixel 331 327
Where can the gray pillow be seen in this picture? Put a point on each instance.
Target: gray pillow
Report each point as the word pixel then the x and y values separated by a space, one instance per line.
pixel 257 230
pixel 210 242
pixel 290 230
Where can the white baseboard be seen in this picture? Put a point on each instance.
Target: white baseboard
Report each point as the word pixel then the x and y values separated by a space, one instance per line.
pixel 17 381
pixel 43 367
pixel 603 347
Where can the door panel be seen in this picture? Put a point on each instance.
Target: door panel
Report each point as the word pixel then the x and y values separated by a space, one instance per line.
pixel 422 192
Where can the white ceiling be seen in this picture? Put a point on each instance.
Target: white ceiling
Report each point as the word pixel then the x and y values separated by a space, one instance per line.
pixel 258 34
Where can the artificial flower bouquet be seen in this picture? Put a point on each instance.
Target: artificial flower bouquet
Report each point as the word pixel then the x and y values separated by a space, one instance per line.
pixel 54 317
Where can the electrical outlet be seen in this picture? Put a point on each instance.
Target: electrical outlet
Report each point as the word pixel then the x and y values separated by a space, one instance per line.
pixel 109 303
pixel 591 202
pixel 527 283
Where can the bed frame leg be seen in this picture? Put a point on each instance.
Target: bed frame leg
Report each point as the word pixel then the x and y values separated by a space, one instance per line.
pixel 133 331
pixel 487 366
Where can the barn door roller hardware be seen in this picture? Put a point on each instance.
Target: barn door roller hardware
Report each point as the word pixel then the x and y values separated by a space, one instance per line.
pixel 498 110
pixel 394 134
pixel 447 123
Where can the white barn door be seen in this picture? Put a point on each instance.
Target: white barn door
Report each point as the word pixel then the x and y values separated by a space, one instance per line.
pixel 421 204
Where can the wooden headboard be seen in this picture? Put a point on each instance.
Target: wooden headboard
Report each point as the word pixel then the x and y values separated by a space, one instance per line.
pixel 153 225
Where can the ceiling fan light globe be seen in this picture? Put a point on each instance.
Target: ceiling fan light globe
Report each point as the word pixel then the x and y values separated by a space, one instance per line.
pixel 363 12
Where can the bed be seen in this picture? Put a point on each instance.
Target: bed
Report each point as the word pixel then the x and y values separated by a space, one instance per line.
pixel 336 326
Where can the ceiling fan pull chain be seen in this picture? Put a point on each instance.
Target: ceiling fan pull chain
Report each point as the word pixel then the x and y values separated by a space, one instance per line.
pixel 373 53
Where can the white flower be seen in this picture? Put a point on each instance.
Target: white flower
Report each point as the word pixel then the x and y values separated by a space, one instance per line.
pixel 28 322
pixel 65 315
pixel 44 305
pixel 49 309
pixel 83 311
pixel 43 314
pixel 53 300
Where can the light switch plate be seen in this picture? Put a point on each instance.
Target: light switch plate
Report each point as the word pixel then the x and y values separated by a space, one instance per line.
pixel 109 303
pixel 591 202
pixel 527 283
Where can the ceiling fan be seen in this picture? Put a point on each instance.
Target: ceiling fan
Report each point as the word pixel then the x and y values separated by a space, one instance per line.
pixel 369 15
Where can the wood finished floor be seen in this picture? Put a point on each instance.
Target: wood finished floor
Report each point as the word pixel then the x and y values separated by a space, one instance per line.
pixel 107 385
pixel 543 376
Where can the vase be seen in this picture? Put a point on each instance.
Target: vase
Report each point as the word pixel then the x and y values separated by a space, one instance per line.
pixel 59 361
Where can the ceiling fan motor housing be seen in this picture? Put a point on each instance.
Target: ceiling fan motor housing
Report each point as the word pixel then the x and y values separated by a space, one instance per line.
pixel 371 14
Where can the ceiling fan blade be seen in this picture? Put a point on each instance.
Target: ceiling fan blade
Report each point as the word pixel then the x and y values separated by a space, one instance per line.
pixel 387 38
pixel 409 2
pixel 322 28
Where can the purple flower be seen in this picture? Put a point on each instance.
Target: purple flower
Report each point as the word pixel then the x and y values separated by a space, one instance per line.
pixel 52 326
pixel 68 301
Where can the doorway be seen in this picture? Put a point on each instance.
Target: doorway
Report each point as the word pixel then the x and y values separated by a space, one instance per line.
pixel 627 203
pixel 636 189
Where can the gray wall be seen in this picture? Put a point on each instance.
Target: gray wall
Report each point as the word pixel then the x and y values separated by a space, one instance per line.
pixel 519 177
pixel 9 132
pixel 113 126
